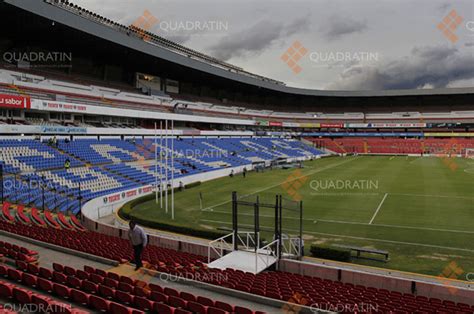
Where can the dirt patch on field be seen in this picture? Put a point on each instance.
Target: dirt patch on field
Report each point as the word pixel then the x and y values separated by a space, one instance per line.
pixel 439 258
pixel 448 255
pixel 207 227
pixel 325 240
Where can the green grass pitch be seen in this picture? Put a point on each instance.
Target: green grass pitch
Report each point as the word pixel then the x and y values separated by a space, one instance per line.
pixel 421 210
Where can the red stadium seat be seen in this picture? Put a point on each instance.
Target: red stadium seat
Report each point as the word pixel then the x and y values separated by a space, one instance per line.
pixel 6 290
pixel 58 267
pixel 143 304
pixel 99 303
pixel 106 292
pixel 155 287
pixel 80 297
pixel 213 310
pixel 163 308
pixel 196 307
pixel 89 287
pixel 124 297
pixel 61 290
pixel 224 306
pixel 116 308
pixel 74 282
pixel 176 302
pixel 14 274
pixel 205 301
pixel 158 297
pixel 45 285
pixel 45 273
pixel 29 280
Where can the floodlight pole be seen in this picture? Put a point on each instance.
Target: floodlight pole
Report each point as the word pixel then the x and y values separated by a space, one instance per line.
pixel 277 220
pixel 166 166
pixel 156 168
pixel 172 170
pixel 279 227
pixel 255 214
pixel 234 220
pixel 301 229
pixel 161 164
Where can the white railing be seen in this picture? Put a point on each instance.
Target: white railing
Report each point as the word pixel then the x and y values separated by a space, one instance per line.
pixel 295 246
pixel 290 246
pixel 245 240
pixel 266 255
pixel 218 246
pixel 248 242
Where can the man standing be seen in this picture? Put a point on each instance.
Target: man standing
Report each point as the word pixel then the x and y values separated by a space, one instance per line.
pixel 139 240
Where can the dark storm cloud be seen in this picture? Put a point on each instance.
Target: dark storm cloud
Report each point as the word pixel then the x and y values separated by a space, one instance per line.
pixel 257 38
pixel 338 26
pixel 426 67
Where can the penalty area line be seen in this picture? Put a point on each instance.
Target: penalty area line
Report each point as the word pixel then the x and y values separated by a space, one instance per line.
pixel 279 184
pixel 378 208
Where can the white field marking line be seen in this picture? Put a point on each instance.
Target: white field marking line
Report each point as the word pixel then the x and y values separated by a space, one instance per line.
pixel 414 160
pixel 378 208
pixel 356 223
pixel 359 238
pixel 430 195
pixel 392 157
pixel 275 185
pixel 469 170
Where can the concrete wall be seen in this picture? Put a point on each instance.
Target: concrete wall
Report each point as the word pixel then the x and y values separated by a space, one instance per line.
pixel 443 290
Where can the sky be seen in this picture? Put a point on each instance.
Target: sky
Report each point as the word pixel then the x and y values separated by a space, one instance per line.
pixel 348 44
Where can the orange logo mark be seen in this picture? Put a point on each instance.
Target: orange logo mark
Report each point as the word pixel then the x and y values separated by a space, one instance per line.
pixel 293 55
pixel 449 24
pixel 293 184
pixel 293 304
pixel 449 154
pixel 451 271
pixel 144 23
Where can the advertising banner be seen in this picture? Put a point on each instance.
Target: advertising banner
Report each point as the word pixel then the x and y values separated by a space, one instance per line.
pixel 275 123
pixel 439 134
pixel 15 102
pixel 262 122
pixel 397 125
pixel 332 125
pixel 365 134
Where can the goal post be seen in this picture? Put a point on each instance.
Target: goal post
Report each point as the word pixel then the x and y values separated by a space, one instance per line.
pixel 469 153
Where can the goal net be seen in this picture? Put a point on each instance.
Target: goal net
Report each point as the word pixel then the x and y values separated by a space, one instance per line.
pixel 469 153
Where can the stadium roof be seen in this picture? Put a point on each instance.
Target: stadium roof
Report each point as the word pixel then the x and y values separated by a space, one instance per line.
pixel 73 16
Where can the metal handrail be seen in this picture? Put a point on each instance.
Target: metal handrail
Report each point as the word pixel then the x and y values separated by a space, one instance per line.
pixel 266 257
pixel 249 240
pixel 220 247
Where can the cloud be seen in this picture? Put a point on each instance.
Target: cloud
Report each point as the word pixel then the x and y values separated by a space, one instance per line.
pixel 338 26
pixel 426 67
pixel 255 39
pixel 444 7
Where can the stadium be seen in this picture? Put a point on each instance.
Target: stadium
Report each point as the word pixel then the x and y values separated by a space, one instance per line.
pixel 254 196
